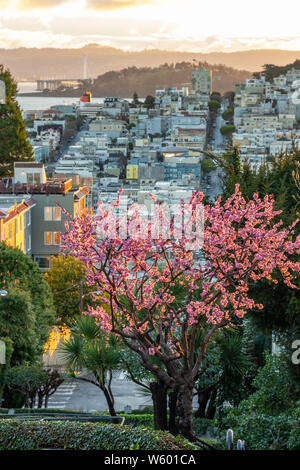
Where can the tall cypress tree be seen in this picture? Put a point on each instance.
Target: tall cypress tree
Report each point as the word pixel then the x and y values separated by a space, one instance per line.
pixel 14 145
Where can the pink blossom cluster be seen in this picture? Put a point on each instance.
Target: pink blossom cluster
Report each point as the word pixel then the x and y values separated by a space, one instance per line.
pixel 136 276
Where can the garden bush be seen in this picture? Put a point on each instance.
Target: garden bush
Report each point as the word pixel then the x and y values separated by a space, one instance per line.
pixel 139 420
pixel 34 435
pixel 203 426
pixel 265 432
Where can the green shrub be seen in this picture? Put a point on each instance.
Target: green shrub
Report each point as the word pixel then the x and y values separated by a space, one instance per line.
pixel 203 426
pixel 143 411
pixel 216 443
pixel 263 432
pixel 275 393
pixel 41 410
pixel 139 420
pixel 34 435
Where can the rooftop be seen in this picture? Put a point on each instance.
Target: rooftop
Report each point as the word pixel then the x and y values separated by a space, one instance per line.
pixel 52 186
pixel 12 206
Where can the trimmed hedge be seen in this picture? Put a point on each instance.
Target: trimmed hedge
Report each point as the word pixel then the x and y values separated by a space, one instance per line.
pixel 35 435
pixel 43 410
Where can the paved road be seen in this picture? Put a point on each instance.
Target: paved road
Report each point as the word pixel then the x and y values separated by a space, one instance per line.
pixel 83 396
pixel 214 187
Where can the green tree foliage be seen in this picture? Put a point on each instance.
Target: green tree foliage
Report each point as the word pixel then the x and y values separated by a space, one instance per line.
pixel 231 164
pixel 149 102
pixel 135 99
pixel 27 310
pixel 68 284
pixel 53 379
pixel 271 71
pixel 18 323
pixel 216 96
pixel 214 105
pixel 94 351
pixel 227 129
pixel 280 315
pixel 228 114
pixel 223 377
pixel 5 367
pixel 14 145
pixel 207 165
pixel 275 392
pixel 26 381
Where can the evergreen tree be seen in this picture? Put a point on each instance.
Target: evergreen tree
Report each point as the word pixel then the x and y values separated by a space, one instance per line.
pixel 27 313
pixel 14 145
pixel 280 315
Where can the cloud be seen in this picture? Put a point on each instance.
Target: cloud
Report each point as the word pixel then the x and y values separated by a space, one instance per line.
pixel 32 4
pixel 91 4
pixel 115 4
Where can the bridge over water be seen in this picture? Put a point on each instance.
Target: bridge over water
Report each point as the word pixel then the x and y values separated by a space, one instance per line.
pixel 53 84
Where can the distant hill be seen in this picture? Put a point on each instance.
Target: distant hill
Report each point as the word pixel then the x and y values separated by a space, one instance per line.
pixel 33 63
pixel 145 80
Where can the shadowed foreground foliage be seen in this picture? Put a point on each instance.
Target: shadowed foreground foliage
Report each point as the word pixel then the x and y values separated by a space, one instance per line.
pixel 35 435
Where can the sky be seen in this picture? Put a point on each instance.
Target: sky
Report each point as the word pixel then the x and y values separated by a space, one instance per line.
pixel 182 25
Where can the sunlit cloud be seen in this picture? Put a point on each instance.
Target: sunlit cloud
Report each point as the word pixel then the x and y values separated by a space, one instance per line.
pixel 188 25
pixel 116 4
pixel 90 4
pixel 32 4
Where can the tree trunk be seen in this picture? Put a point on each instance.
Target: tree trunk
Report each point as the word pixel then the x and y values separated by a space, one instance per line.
pixel 173 412
pixel 109 401
pixel 185 412
pixel 46 400
pixel 211 410
pixel 159 397
pixel 40 400
pixel 203 397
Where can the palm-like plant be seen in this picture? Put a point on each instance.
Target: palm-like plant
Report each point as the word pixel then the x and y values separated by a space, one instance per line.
pixel 95 352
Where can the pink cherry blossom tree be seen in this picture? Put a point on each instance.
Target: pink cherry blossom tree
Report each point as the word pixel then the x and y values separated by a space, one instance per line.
pixel 137 261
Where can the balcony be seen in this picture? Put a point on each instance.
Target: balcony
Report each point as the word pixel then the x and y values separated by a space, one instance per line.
pixel 51 187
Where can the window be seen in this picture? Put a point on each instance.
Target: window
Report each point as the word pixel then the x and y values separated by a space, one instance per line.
pixel 56 213
pixel 10 231
pixel 17 227
pixel 48 238
pixel 33 178
pixel 47 213
pixel 43 262
pixel 52 238
pixel 29 178
pixel 52 213
pixel 56 238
